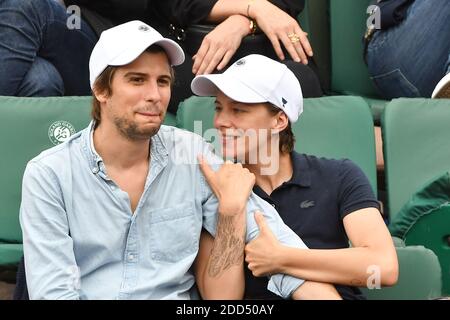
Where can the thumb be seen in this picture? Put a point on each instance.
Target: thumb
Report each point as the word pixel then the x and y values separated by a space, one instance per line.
pixel 260 221
pixel 205 168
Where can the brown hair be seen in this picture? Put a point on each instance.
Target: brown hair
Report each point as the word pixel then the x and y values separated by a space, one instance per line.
pixel 103 83
pixel 287 138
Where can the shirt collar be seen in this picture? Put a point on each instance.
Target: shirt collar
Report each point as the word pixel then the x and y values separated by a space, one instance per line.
pixel 301 175
pixel 158 150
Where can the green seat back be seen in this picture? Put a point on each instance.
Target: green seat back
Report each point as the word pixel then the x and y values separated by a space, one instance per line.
pixel 349 74
pixel 170 120
pixel 419 277
pixel 196 109
pixel 27 127
pixel 416 135
pixel 10 253
pixel 433 232
pixel 338 127
pixel 333 127
pixel 425 220
pixel 416 144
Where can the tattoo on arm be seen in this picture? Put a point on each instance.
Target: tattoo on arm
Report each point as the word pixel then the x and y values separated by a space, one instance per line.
pixel 228 249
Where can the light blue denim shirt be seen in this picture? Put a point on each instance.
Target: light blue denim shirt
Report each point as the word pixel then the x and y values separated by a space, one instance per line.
pixel 81 240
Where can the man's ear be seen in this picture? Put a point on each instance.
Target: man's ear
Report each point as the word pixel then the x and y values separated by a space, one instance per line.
pixel 101 96
pixel 281 121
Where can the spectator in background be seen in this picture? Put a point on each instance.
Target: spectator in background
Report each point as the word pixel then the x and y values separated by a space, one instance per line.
pixel 225 43
pixel 409 58
pixel 43 57
pixel 40 55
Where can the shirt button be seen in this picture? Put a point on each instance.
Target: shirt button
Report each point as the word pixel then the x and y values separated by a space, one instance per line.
pixel 95 170
pixel 130 257
pixel 273 205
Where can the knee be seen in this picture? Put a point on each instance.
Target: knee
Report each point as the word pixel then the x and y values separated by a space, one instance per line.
pixel 42 80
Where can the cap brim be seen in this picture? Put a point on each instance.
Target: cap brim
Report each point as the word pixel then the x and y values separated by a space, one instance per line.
pixel 208 85
pixel 173 50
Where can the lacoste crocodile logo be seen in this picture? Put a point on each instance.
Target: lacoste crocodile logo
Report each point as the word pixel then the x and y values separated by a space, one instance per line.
pixel 307 204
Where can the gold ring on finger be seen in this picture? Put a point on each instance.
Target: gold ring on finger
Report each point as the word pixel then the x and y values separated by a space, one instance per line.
pixel 294 37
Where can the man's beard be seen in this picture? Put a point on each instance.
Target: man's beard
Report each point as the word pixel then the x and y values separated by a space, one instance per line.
pixel 131 131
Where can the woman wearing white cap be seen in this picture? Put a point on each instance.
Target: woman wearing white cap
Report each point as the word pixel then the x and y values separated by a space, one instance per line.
pixel 327 202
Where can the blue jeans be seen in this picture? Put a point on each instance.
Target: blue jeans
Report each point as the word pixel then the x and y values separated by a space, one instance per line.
pixel 410 59
pixel 39 54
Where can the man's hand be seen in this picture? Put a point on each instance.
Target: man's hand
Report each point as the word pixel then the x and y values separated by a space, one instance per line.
pixel 232 185
pixel 262 253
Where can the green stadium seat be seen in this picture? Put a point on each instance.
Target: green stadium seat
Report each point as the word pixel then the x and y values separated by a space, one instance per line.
pixel 416 143
pixel 416 139
pixel 419 276
pixel 338 127
pixel 349 73
pixel 333 127
pixel 425 220
pixel 196 109
pixel 27 127
pixel 170 120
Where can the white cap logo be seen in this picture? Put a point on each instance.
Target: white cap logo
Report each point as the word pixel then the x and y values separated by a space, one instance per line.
pixel 143 28
pixel 244 82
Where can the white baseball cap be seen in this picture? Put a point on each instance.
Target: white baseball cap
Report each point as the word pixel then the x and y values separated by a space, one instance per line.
pixel 122 44
pixel 255 79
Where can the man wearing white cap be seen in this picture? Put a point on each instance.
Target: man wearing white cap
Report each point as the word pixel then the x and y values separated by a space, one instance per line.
pixel 327 202
pixel 116 211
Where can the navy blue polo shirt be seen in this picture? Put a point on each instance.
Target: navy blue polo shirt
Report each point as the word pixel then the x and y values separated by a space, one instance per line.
pixel 313 204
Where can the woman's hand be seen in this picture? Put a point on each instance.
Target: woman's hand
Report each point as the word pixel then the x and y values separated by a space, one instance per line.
pixel 281 27
pixel 262 253
pixel 219 46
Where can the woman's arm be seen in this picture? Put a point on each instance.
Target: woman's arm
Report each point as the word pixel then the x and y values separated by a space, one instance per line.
pixel 232 282
pixel 278 25
pixel 233 19
pixel 372 255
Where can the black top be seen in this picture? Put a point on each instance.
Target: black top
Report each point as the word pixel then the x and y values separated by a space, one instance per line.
pixel 188 12
pixel 103 14
pixel 313 203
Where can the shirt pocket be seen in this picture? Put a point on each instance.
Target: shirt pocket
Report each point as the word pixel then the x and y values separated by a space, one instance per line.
pixel 173 233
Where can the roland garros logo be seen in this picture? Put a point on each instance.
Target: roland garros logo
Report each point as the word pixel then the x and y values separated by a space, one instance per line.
pixel 60 131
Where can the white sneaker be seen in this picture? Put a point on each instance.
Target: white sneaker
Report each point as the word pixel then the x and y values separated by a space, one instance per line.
pixel 442 89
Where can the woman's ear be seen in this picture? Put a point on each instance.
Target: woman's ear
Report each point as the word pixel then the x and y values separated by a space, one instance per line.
pixel 281 121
